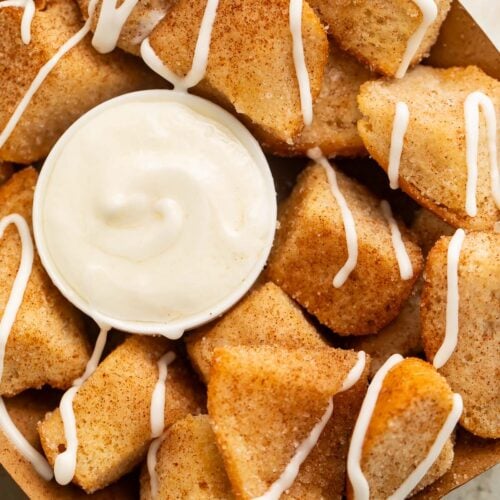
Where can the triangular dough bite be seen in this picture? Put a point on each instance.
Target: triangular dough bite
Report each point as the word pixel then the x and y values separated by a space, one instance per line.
pixel 189 464
pixel 264 402
pixel 310 248
pixel 335 112
pixel 145 15
pixel 377 31
pixel 267 316
pixel 47 344
pixel 472 369
pixel 81 79
pixel 412 407
pixel 433 168
pixel 462 42
pixel 250 66
pixel 112 411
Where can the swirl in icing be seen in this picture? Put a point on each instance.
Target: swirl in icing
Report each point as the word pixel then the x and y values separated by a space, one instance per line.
pixel 28 14
pixel 429 12
pixel 349 225
pixel 452 300
pixel 14 302
pixel 473 102
pixel 287 478
pixel 65 462
pixel 404 262
pixel 157 416
pixel 201 53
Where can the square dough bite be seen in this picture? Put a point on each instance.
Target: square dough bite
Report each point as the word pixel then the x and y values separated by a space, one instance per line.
pixel 412 407
pixel 267 316
pixel 81 79
pixel 263 402
pixel 433 168
pixel 335 112
pixel 472 369
pixel 250 66
pixel 112 411
pixel 189 464
pixel 47 343
pixel 377 31
pixel 310 248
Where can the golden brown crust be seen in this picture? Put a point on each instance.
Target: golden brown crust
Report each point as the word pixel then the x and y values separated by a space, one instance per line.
pixel 6 171
pixel 377 31
pixel 144 17
pixel 411 408
pixel 250 67
pixel 433 168
pixel 336 112
pixel 428 228
pixel 47 344
pixel 472 370
pixel 81 80
pixel 189 464
pixel 310 248
pixel 288 392
pixel 267 316
pixel 401 336
pixel 462 42
pixel 112 411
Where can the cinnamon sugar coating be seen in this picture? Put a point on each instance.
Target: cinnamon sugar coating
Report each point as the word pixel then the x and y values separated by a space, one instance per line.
pixel 47 344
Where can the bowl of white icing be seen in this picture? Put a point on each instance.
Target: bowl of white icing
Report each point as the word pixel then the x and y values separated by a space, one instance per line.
pixel 155 212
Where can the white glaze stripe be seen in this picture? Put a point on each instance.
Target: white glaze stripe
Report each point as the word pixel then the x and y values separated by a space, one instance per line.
pixel 157 411
pixel 360 486
pixel 452 300
pixel 27 19
pixel 20 443
pixel 65 463
pixel 291 471
pixel 110 24
pixel 6 323
pixel 151 465
pixel 404 262
pixel 421 470
pixel 201 52
pixel 43 73
pixel 429 13
pixel 350 227
pixel 20 282
pixel 295 13
pixel 399 127
pixel 473 102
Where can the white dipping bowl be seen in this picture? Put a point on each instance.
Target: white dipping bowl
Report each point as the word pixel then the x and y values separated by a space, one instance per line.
pixel 175 328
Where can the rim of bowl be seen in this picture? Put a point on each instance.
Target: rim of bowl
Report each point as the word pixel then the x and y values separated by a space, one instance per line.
pixel 173 329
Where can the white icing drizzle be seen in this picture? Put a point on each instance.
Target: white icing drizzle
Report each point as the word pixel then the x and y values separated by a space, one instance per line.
pixel 200 59
pixel 157 412
pixel 429 13
pixel 110 24
pixel 291 471
pixel 157 415
pixel 43 73
pixel 65 463
pixel 473 102
pixel 452 300
pixel 360 486
pixel 404 262
pixel 350 227
pixel 28 15
pixel 420 471
pixel 6 323
pixel 295 12
pixel 399 127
